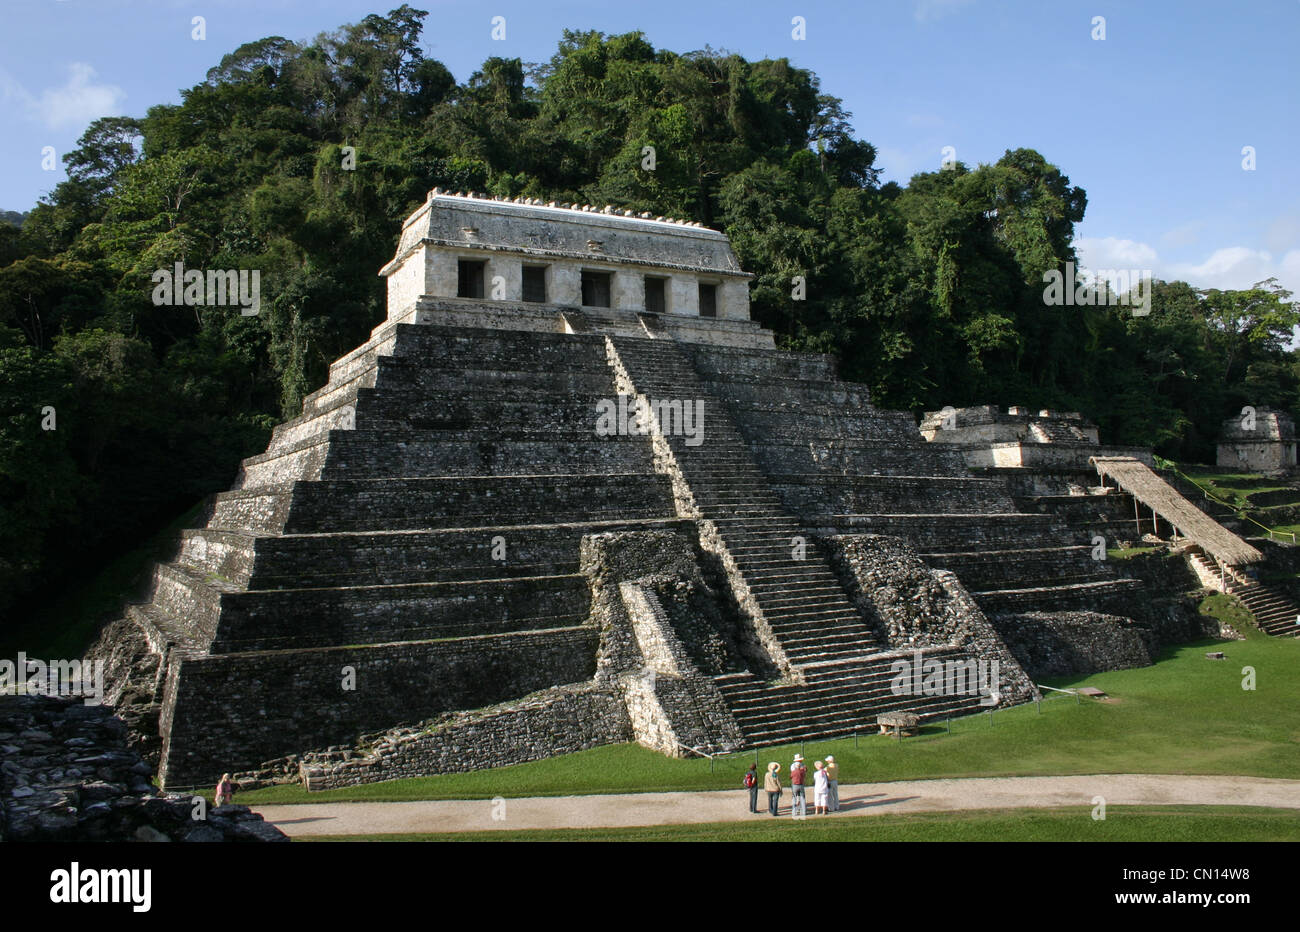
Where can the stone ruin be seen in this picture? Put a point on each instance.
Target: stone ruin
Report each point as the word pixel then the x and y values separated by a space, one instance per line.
pixel 443 564
pixel 1258 440
pixel 1021 439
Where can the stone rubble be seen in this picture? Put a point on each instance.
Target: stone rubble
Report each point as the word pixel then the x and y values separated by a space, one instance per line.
pixel 67 775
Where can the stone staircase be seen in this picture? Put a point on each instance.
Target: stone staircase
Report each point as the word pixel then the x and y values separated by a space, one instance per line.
pixel 1274 612
pixel 784 580
pixel 835 700
pixel 844 466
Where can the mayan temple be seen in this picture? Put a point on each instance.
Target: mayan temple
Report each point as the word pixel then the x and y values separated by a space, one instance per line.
pixel 569 494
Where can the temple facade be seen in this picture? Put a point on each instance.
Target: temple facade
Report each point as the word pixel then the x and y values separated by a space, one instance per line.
pixel 476 260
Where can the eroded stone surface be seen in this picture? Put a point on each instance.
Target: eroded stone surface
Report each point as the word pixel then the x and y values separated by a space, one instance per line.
pixel 70 777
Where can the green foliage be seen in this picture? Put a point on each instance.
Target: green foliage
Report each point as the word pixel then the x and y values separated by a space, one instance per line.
pixel 300 160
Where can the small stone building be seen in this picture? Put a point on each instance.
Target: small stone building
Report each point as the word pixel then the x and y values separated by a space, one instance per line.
pixel 1020 438
pixel 1263 441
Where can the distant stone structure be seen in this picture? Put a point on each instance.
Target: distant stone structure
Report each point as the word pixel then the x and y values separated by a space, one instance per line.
pixel 1020 438
pixel 1262 441
pixel 444 564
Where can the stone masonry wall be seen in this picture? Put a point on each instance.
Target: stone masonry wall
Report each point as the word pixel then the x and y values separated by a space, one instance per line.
pixel 914 607
pixel 1067 643
pixel 550 722
pixel 233 712
pixel 655 654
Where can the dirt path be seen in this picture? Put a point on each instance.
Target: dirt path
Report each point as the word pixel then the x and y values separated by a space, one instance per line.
pixel 733 806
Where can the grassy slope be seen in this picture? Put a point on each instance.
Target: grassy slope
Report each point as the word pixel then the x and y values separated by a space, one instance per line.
pixel 1236 488
pixel 1186 714
pixel 1122 823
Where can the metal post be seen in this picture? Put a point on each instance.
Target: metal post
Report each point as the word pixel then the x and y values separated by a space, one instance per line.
pixel 855 739
pixel 948 721
pixel 1038 705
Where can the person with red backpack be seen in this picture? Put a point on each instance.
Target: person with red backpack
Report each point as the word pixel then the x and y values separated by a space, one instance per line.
pixel 751 784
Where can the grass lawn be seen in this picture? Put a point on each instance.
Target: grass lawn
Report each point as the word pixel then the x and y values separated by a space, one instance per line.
pixel 1186 714
pixel 1235 489
pixel 1124 553
pixel 1122 823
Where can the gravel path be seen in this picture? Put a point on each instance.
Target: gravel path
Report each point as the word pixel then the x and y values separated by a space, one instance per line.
pixel 733 805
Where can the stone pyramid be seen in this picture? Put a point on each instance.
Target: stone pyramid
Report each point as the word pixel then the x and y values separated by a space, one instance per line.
pixel 444 563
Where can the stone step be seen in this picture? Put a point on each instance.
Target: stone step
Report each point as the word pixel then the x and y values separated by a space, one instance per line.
pixel 1084 594
pixel 292 561
pixel 320 617
pixel 864 722
pixel 798 589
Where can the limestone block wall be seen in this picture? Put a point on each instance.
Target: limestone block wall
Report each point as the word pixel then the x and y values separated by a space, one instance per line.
pixel 407 283
pixel 914 607
pixel 809 493
pixel 1053 456
pixel 1068 643
pixel 554 721
pixel 1260 456
pixel 233 712
pixel 628 290
pixel 684 296
pixel 653 657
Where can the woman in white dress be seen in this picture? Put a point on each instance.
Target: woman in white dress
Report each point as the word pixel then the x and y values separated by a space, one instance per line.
pixel 821 789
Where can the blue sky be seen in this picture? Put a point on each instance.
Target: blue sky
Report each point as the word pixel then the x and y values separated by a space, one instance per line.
pixel 1151 120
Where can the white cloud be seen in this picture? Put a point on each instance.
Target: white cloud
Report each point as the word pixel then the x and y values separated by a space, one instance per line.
pixel 78 101
pixel 1112 253
pixel 897 164
pixel 1283 233
pixel 1226 267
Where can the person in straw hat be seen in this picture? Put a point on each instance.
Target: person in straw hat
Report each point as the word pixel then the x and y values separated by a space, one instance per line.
pixel 798 801
pixel 772 783
pixel 819 788
pixel 832 784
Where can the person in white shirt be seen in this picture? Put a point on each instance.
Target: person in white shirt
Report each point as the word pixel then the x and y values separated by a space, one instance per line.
pixel 821 788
